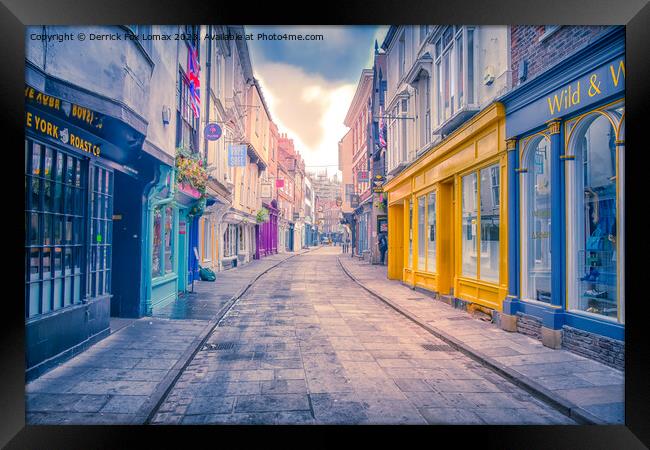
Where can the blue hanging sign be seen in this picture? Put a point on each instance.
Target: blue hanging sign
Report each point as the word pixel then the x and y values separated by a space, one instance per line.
pixel 212 132
pixel 237 155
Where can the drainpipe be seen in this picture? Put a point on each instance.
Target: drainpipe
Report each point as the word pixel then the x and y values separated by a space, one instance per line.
pixel 208 65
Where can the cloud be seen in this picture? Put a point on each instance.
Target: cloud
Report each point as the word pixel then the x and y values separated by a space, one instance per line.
pixel 309 108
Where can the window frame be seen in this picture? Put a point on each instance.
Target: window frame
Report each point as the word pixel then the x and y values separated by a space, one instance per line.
pixel 477 250
pixel 461 71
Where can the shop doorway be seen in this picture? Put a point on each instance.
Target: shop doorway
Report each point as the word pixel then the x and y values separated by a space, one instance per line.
pixel 447 225
pixel 395 241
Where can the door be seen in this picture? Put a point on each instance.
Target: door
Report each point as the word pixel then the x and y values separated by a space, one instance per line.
pixel 395 241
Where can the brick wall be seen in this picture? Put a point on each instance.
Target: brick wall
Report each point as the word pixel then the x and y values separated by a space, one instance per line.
pixel 529 325
pixel 525 46
pixel 602 349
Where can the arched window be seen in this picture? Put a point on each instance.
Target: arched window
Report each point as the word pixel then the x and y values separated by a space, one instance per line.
pixel 536 220
pixel 592 218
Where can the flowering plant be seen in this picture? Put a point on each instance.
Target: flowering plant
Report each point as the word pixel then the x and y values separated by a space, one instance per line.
pixel 190 169
pixel 262 215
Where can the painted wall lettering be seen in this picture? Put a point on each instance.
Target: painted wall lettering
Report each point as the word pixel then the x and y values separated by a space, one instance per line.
pixel 616 76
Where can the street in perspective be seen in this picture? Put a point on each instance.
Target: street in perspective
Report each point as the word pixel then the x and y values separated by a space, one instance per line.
pixel 226 227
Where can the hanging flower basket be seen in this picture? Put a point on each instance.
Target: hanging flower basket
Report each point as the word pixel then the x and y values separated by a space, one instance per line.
pixel 191 179
pixel 262 215
pixel 189 190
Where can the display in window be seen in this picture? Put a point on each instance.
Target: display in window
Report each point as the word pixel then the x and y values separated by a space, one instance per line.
pixel 157 239
pixel 469 188
pixel 537 216
pixel 597 265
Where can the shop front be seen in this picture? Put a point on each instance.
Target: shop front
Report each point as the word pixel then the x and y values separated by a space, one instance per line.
pixel 447 224
pixel 363 221
pixel 267 230
pixel 84 172
pixel 566 143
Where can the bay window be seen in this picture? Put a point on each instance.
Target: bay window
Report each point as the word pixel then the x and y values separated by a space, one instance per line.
pixel 454 71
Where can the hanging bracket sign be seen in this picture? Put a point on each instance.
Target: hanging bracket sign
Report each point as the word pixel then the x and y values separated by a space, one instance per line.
pixel 212 132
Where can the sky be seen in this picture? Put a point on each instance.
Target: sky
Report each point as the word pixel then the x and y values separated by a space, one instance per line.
pixel 308 85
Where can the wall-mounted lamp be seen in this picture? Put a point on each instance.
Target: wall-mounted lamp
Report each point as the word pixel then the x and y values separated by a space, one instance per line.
pixel 166 114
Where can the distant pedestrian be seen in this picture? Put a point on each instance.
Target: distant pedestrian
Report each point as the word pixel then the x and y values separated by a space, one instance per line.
pixel 383 246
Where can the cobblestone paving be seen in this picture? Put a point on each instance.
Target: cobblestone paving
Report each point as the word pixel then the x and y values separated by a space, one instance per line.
pixel 306 345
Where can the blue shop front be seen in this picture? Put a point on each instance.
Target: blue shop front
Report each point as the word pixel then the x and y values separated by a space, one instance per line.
pixel 566 139
pixel 86 174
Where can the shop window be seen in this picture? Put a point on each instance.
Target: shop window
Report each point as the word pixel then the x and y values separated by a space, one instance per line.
pixel 536 221
pixel 409 262
pixel 595 219
pixel 101 228
pixel 469 236
pixel 207 239
pixel 157 239
pixel 54 224
pixel 163 241
pixel 431 232
pixel 480 231
pixel 169 239
pixel 489 219
pixel 422 241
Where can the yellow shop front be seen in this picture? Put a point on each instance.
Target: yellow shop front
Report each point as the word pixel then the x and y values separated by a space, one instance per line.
pixel 447 213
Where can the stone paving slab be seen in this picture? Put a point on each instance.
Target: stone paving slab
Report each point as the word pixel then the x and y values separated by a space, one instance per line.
pixel 119 379
pixel 575 380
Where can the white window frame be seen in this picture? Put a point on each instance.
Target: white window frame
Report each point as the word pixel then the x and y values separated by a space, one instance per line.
pixel 574 216
pixel 456 104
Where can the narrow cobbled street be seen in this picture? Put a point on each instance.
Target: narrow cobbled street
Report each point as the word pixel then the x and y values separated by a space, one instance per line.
pixel 306 344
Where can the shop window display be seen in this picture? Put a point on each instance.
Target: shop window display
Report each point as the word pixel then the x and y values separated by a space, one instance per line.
pixel 536 226
pixel 490 223
pixel 422 238
pixel 470 224
pixel 596 186
pixel 409 263
pixel 431 232
pixel 54 219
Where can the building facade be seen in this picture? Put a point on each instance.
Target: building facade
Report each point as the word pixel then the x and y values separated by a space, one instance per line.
pixel 565 125
pixel 359 120
pixel 446 152
pixel 94 148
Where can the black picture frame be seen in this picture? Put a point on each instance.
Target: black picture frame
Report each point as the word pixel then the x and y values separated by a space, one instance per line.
pixel 15 14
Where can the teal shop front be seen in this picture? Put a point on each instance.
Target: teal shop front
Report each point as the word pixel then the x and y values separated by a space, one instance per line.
pixel 566 247
pixel 171 210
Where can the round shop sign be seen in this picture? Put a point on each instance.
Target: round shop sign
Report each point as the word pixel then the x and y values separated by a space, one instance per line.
pixel 212 132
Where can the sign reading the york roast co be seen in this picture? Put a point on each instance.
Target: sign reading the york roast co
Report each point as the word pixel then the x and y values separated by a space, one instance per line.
pixel 80 128
pixel 596 85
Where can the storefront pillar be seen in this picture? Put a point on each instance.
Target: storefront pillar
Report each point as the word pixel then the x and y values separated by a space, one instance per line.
pixel 552 318
pixel 511 302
